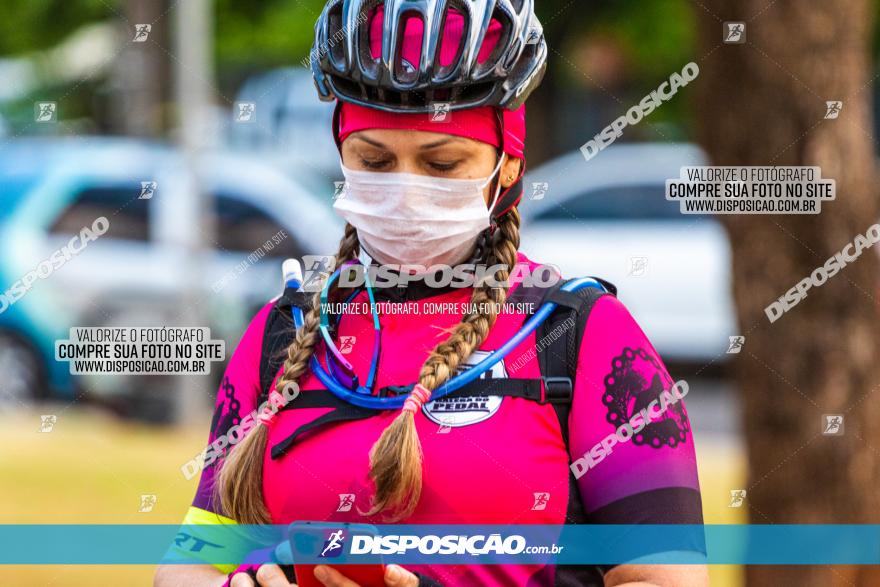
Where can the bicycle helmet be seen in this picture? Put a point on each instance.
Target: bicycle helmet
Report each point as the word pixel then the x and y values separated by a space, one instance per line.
pixel 479 71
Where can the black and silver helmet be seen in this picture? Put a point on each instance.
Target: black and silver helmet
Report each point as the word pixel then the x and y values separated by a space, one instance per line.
pixel 343 65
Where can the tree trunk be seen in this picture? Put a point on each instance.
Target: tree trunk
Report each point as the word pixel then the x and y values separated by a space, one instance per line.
pixel 143 73
pixel 763 103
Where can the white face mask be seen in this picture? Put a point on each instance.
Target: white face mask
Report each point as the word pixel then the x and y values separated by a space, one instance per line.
pixel 410 219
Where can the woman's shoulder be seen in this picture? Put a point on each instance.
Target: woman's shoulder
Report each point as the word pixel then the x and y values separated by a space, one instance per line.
pixel 606 317
pixel 529 274
pixel 537 277
pixel 257 325
pixel 525 262
pixel 250 345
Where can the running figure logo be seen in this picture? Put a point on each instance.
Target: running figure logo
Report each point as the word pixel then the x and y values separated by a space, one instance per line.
pixel 148 502
pixel 534 35
pixel 638 266
pixel 346 500
pixel 45 111
pixel 737 497
pixel 47 422
pixel 736 344
pixel 333 545
pixel 339 189
pixel 148 188
pixel 440 111
pixel 246 111
pixel 316 268
pixel 541 500
pixel 539 189
pixel 734 32
pixel 832 109
pixel 141 32
pixel 832 425
pixel 346 344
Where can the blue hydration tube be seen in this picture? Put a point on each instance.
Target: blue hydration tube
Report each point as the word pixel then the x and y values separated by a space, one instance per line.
pixel 293 279
pixel 363 398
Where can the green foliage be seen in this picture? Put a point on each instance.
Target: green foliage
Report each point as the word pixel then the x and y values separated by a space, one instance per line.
pixel 659 35
pixel 659 38
pixel 271 33
pixel 652 38
pixel 655 37
pixel 40 24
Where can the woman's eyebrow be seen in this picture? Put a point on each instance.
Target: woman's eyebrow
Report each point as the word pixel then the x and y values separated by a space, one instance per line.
pixel 441 142
pixel 370 141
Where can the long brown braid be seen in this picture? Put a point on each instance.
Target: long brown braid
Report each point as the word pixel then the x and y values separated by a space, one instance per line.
pixel 396 458
pixel 240 481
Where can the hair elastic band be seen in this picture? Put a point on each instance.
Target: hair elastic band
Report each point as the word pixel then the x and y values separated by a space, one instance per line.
pixel 419 396
pixel 269 415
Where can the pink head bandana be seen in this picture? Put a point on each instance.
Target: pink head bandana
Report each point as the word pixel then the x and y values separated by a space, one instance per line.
pixel 500 128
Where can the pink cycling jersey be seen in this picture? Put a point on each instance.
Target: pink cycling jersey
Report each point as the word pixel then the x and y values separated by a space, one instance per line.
pixel 486 460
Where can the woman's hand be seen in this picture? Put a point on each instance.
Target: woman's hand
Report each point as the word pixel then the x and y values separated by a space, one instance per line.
pixel 273 576
pixel 395 576
pixel 267 576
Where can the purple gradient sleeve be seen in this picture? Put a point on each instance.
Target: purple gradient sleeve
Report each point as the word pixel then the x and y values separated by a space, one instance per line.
pixel 631 444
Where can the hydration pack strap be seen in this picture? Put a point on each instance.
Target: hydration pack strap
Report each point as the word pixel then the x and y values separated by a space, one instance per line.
pixel 542 391
pixel 558 340
pixel 277 336
pixel 343 413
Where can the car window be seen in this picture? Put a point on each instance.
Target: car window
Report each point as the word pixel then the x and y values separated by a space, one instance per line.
pixel 120 204
pixel 632 202
pixel 244 228
pixel 13 189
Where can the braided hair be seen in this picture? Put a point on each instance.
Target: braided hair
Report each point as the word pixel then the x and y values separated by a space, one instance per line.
pixel 396 458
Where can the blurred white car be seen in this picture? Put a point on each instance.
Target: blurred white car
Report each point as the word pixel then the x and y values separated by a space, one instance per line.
pixel 292 125
pixel 608 217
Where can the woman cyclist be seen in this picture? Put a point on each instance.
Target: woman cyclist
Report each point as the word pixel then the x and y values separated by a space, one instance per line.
pixel 430 125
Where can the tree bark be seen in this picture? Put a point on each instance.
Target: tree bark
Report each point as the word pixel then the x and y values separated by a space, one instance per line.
pixel 763 103
pixel 143 72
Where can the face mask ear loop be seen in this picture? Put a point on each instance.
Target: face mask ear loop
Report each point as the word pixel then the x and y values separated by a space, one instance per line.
pixel 493 226
pixel 498 187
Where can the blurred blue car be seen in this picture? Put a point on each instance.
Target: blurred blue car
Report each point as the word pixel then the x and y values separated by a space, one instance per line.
pixel 134 274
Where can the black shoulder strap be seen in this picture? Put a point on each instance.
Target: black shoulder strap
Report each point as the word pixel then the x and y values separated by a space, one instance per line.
pixel 558 341
pixel 277 336
pixel 558 345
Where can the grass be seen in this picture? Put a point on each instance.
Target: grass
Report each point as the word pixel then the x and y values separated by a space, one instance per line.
pixel 722 468
pixel 93 468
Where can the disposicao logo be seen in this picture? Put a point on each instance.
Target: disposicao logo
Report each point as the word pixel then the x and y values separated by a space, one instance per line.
pixel 333 544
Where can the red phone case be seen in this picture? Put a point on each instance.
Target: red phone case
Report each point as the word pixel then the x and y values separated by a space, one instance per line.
pixel 363 575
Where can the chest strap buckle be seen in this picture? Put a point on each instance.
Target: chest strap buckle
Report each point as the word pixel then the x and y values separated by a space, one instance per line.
pixel 557 390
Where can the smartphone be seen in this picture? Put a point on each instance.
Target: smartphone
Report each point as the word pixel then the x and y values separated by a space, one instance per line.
pixel 363 575
pixel 327 540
